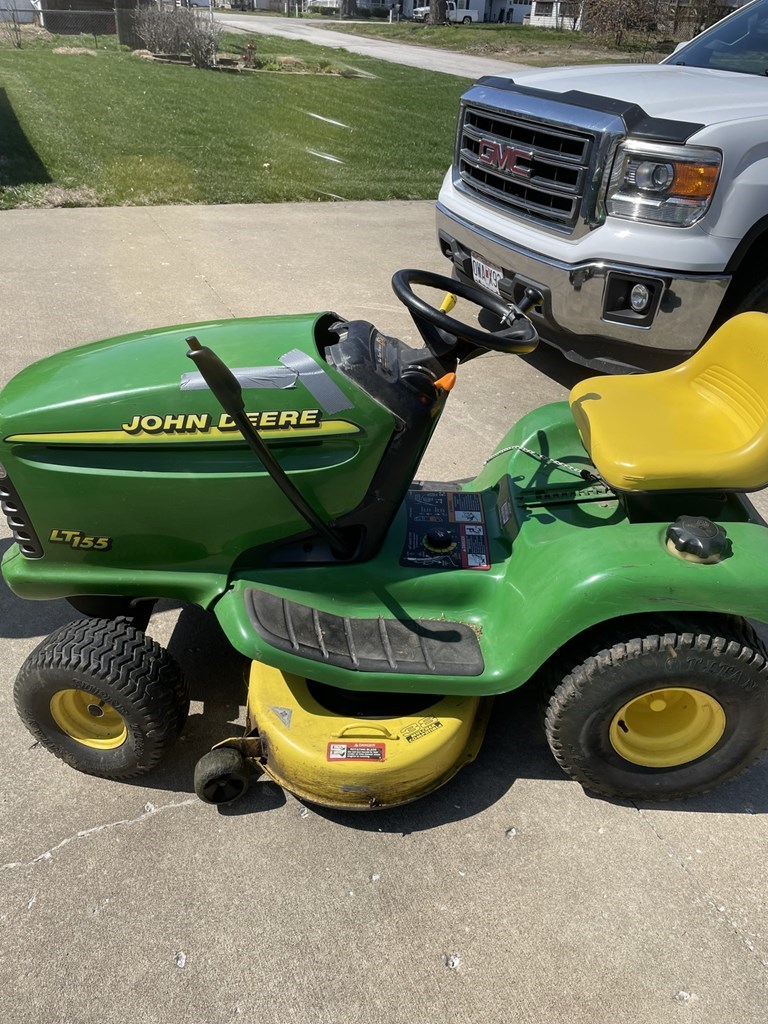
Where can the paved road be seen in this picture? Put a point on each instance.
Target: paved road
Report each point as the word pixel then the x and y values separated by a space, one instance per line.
pixel 428 58
pixel 133 902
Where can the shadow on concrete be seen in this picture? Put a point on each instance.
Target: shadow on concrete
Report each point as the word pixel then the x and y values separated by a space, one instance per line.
pixel 747 794
pixel 546 359
pixel 514 748
pixel 19 162
pixel 216 677
pixel 19 618
pixel 552 363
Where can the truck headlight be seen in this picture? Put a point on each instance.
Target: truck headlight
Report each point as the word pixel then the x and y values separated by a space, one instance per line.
pixel 663 184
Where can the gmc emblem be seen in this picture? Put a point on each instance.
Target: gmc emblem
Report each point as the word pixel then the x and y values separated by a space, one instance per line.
pixel 504 158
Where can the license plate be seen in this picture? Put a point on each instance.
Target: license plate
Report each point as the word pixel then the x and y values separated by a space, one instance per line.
pixel 487 275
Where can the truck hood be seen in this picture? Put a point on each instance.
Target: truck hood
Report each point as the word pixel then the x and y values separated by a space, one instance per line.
pixel 662 90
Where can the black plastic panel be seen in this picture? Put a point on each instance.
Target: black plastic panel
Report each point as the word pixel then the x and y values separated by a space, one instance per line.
pixel 638 124
pixel 429 647
pixel 18 520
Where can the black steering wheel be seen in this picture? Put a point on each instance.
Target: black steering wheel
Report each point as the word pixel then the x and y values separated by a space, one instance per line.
pixel 519 337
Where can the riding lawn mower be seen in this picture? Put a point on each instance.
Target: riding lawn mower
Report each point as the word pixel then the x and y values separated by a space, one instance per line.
pixel 607 554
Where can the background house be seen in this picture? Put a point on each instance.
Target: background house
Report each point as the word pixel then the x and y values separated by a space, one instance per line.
pixel 20 11
pixel 556 14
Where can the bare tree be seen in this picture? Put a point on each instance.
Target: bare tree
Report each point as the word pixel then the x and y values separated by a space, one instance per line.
pixel 700 14
pixel 12 25
pixel 437 12
pixel 179 31
pixel 615 18
pixel 569 13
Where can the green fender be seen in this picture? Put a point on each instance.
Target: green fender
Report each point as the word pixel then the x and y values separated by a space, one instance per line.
pixel 630 573
pixel 562 562
pixel 576 565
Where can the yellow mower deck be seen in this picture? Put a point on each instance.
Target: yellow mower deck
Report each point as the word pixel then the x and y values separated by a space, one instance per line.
pixel 355 763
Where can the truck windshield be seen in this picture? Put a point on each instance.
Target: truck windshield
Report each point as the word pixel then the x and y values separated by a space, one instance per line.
pixel 740 43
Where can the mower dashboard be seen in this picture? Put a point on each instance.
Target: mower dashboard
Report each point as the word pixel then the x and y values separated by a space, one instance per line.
pixel 386 368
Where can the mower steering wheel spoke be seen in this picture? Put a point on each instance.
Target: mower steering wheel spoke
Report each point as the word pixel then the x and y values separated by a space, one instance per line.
pixel 438 328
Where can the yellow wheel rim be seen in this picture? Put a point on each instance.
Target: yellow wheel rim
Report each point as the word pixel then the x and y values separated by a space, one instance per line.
pixel 666 728
pixel 87 719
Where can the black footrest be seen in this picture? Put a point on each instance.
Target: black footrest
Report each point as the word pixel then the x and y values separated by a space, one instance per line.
pixel 408 646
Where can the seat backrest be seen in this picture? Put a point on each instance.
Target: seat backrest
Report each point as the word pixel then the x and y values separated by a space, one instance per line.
pixel 731 372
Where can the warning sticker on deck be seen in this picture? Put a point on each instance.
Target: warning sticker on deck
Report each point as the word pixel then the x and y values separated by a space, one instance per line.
pixel 446 530
pixel 417 730
pixel 357 752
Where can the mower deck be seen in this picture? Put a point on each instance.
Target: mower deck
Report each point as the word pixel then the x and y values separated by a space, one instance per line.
pixel 357 751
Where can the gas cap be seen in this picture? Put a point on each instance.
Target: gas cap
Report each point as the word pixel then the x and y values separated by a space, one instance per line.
pixel 439 540
pixel 697 540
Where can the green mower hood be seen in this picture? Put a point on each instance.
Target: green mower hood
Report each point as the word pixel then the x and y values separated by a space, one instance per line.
pixel 118 456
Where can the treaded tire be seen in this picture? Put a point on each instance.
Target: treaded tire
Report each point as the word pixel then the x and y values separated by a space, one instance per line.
pixel 120 665
pixel 731 667
pixel 755 299
pixel 221 776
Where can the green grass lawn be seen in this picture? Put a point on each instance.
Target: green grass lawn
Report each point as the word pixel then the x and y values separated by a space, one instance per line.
pixel 113 129
pixel 535 46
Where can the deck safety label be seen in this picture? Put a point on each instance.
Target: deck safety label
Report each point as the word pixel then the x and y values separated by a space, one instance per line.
pixel 446 530
pixel 357 752
pixel 418 730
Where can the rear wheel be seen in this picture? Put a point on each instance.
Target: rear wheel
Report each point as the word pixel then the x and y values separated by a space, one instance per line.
pixel 103 697
pixel 663 716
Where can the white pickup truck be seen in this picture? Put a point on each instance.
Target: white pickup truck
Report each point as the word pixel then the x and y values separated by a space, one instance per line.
pixel 634 198
pixel 459 12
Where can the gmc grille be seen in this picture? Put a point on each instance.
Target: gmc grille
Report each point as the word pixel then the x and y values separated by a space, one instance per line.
pixel 548 186
pixel 18 521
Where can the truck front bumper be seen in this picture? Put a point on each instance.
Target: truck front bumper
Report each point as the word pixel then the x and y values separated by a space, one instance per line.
pixel 585 310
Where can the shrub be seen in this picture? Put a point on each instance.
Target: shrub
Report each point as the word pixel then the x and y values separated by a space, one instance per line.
pixel 202 39
pixel 11 25
pixel 179 31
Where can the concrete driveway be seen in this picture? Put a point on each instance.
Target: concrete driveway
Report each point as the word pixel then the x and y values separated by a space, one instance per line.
pixel 428 58
pixel 508 896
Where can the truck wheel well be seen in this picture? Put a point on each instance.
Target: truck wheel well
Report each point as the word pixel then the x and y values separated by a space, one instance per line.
pixel 748 268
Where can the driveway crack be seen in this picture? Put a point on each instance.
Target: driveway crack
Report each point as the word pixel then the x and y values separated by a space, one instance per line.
pixel 706 896
pixel 174 242
pixel 149 811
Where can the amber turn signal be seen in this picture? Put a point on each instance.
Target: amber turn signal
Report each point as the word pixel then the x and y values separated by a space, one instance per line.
pixel 694 181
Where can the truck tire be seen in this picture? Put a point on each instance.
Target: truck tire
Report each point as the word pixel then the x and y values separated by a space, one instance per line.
pixel 663 716
pixel 466 21
pixel 103 697
pixel 756 299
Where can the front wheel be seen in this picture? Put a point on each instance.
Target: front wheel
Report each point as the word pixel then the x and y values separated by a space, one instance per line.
pixel 663 716
pixel 103 697
pixel 221 776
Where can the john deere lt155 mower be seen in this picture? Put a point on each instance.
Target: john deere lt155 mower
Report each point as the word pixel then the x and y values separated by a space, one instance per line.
pixel 607 550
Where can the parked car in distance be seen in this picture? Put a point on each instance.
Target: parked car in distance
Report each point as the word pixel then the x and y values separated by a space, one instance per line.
pixel 456 11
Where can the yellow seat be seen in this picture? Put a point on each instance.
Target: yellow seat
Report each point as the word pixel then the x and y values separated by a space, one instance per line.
pixel 702 424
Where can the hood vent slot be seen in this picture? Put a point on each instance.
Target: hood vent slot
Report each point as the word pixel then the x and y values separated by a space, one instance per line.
pixel 18 520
